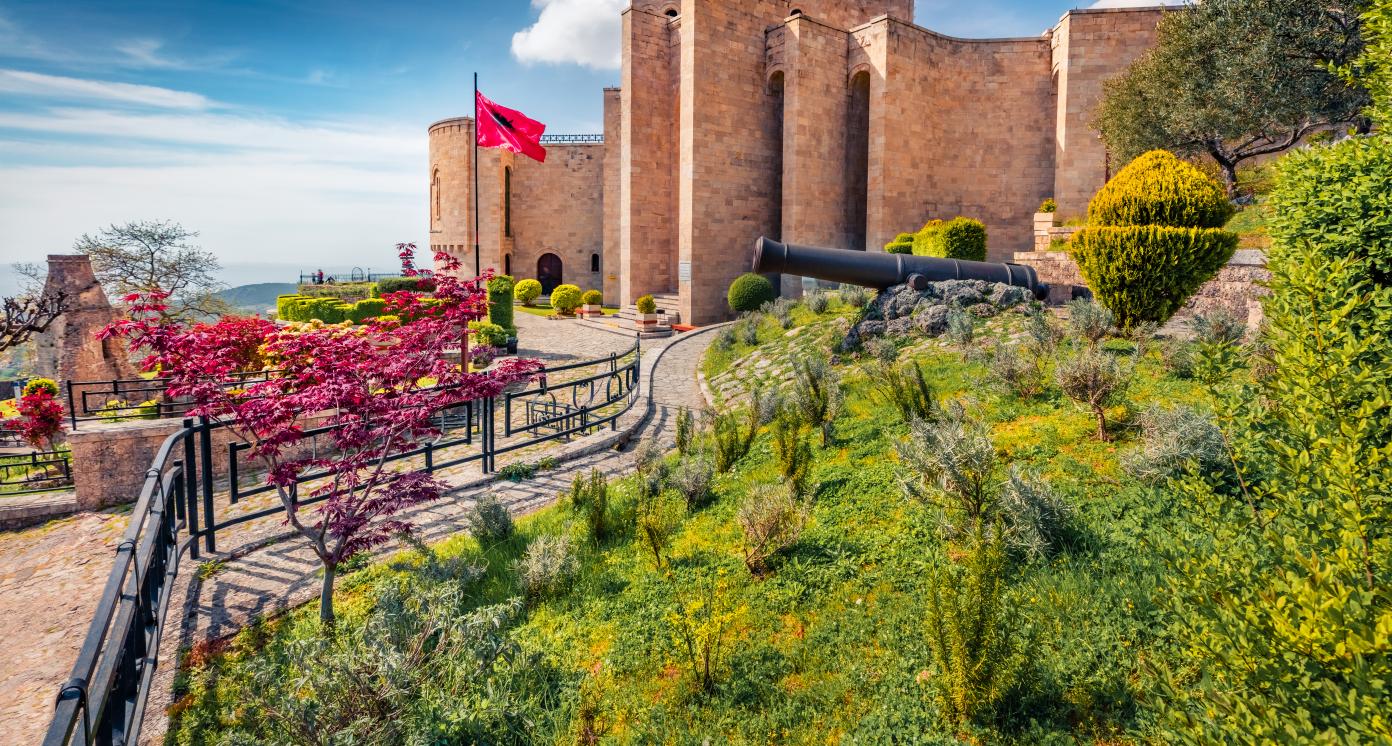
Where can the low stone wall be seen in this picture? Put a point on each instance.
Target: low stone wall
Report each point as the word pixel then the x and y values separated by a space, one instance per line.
pixel 1235 288
pixel 109 459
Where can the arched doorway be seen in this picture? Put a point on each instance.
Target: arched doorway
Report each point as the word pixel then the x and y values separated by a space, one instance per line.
pixel 549 272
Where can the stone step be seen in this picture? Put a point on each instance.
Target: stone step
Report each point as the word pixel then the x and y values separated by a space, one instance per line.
pixel 623 326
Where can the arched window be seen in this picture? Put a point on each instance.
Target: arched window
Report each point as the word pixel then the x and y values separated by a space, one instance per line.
pixel 507 264
pixel 672 13
pixel 435 196
pixel 507 202
pixel 796 12
pixel 594 262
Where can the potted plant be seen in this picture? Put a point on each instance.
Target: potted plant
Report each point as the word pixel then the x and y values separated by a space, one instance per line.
pixel 592 303
pixel 647 311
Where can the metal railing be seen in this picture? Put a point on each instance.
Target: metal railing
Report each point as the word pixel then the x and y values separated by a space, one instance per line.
pixel 103 701
pixel 36 471
pixel 122 399
pixel 571 139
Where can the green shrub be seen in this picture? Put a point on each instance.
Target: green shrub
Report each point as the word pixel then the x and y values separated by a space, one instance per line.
pixel 547 568
pixel 854 296
pixel 792 449
pixel 500 291
pixel 1096 380
pixel 958 238
pixel 489 522
pixel 1172 441
pixel 1018 369
pixel 1145 273
pixel 489 334
pixel 772 519
pixel 398 284
pixel 40 384
pixel 368 308
pixel 686 431
pixel 1048 205
pixel 645 304
pixel 1334 199
pixel 527 291
pixel 906 388
pixel 1159 189
pixel 590 498
pixel 1278 591
pixel 592 298
pixel 693 478
pixel 1154 235
pixel 902 244
pixel 817 301
pixel 565 299
pixel 749 292
pixel 1090 321
pixel 817 394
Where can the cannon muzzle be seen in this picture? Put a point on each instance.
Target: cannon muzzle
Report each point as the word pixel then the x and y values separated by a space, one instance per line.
pixel 879 271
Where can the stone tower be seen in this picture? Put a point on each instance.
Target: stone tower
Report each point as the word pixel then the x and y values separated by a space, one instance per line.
pixel 70 350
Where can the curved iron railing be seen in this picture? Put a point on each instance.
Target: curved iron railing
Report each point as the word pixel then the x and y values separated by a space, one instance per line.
pixel 103 701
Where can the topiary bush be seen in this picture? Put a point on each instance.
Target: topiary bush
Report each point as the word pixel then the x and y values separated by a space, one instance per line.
pixel 958 238
pixel 902 244
pixel 366 309
pixel 645 304
pixel 592 298
pixel 500 302
pixel 1153 237
pixel 40 384
pixel 1048 205
pixel 1160 189
pixel 749 292
pixel 565 299
pixel 526 292
pixel 489 334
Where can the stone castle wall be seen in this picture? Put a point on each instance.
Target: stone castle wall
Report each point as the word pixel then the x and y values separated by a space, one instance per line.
pixel 69 350
pixel 825 122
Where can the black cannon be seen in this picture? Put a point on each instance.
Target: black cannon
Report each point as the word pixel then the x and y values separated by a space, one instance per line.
pixel 879 271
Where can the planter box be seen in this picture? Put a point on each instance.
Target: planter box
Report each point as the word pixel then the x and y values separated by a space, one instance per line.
pixel 589 310
pixel 647 319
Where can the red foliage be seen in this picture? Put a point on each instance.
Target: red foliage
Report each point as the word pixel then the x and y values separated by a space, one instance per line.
pixel 365 382
pixel 40 419
pixel 407 253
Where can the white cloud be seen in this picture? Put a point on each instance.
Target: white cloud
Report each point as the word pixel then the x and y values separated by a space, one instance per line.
pixel 26 83
pixel 581 32
pixel 258 188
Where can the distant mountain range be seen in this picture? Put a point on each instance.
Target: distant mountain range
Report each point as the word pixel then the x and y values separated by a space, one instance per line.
pixel 257 297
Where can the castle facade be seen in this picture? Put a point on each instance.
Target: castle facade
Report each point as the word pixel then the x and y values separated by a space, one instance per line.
pixel 825 122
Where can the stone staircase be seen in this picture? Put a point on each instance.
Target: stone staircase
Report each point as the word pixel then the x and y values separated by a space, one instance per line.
pixel 626 320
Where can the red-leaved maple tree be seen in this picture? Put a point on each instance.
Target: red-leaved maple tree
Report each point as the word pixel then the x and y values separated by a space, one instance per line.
pixel 40 419
pixel 377 385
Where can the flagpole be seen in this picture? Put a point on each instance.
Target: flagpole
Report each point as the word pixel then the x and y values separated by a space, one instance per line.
pixel 478 269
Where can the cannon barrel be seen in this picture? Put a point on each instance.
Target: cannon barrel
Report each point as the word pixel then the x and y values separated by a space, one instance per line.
pixel 879 271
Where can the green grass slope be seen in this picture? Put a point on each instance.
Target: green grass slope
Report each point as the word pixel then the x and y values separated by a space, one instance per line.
pixel 831 647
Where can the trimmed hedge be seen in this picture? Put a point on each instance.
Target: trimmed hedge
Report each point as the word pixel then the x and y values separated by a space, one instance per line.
pixel 489 334
pixel 565 299
pixel 592 298
pixel 397 284
pixel 527 291
pixel 902 244
pixel 366 309
pixel 958 238
pixel 1160 189
pixel 749 292
pixel 500 290
pixel 1146 272
pixel 327 310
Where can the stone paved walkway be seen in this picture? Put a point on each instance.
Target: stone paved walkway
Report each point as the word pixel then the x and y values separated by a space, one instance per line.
pixel 51 576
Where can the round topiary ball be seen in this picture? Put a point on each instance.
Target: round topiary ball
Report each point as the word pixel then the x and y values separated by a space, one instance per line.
pixel 527 291
pixel 565 299
pixel 749 292
pixel 592 298
pixel 1159 189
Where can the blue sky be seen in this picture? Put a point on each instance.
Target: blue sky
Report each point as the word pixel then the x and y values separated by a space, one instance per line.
pixel 293 133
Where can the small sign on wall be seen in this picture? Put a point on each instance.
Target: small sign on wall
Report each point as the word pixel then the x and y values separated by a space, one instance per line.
pixel 683 271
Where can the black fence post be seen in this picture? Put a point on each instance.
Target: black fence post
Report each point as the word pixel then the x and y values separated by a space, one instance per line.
pixel 72 410
pixel 205 441
pixel 191 486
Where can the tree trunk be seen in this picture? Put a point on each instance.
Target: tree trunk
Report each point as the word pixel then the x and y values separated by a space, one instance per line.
pixel 1227 163
pixel 1101 425
pixel 326 610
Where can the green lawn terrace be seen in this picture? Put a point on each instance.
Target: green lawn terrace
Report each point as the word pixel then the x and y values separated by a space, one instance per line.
pixel 831 642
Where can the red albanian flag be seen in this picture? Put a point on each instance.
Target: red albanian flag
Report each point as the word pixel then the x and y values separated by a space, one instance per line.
pixel 501 127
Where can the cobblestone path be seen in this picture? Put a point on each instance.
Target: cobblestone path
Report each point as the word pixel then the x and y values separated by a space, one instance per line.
pixel 51 575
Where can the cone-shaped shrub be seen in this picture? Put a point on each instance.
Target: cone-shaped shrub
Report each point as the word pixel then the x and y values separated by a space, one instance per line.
pixel 1153 238
pixel 500 302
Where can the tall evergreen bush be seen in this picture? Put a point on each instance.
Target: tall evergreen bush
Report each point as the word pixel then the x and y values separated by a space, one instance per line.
pixel 1153 237
pixel 500 303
